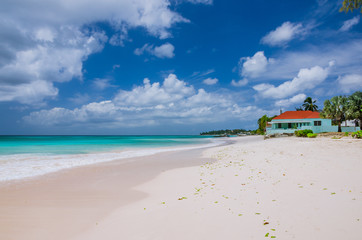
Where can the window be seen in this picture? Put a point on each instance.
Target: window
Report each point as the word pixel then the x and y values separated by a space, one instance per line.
pixel 317 123
pixel 279 125
pixel 289 125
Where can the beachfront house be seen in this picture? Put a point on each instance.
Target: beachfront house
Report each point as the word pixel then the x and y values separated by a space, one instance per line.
pixel 290 121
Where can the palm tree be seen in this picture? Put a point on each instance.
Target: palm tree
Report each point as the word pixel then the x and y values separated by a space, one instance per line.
pixel 309 105
pixel 354 107
pixel 335 109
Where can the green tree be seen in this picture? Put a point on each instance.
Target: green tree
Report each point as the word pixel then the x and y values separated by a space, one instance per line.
pixel 354 107
pixel 350 5
pixel 309 105
pixel 335 109
pixel 262 124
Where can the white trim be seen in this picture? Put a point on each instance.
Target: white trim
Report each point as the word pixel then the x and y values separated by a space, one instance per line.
pixel 292 121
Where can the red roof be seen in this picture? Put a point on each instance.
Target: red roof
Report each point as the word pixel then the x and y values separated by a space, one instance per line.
pixel 297 115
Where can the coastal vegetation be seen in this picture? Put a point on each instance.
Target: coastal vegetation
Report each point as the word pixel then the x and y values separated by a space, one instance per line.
pixel 342 108
pixel 308 105
pixel 311 135
pixel 262 122
pixel 228 132
pixel 354 107
pixel 357 134
pixel 303 133
pixel 335 109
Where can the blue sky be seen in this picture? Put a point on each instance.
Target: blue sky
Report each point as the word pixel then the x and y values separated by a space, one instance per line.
pixel 169 66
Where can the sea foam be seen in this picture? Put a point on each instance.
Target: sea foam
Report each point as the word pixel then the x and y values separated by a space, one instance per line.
pixel 22 166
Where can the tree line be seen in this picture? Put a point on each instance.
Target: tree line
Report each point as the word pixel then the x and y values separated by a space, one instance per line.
pixel 226 132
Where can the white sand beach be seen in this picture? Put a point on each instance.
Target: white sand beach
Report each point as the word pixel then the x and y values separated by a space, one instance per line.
pixel 285 188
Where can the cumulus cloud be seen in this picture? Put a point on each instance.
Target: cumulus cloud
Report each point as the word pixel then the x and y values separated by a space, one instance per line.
pixel 239 83
pixel 291 101
pixel 254 66
pixel 347 25
pixel 308 78
pixel 28 93
pixel 210 81
pixel 45 63
pixel 171 102
pixel 149 94
pixel 164 51
pixel 49 41
pixel 287 64
pixel 284 34
pixel 349 83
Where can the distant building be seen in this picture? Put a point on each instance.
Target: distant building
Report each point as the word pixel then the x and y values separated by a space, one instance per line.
pixel 290 121
pixel 350 123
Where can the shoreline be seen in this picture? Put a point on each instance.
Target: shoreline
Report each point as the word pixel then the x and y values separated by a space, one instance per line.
pixel 41 164
pixel 64 199
pixel 302 188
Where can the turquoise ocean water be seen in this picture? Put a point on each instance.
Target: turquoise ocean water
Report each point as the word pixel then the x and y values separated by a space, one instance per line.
pixel 89 144
pixel 28 156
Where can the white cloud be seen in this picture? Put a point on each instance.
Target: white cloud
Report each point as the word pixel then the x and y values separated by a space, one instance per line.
pixel 49 41
pixel 284 34
pixel 164 51
pixel 102 83
pixel 140 51
pixel 210 81
pixel 44 63
pixel 308 78
pixel 290 101
pixel 286 64
pixel 240 83
pixel 149 94
pixel 28 93
pixel 347 25
pixel 171 102
pixel 254 66
pixel 45 34
pixel 120 37
pixel 349 83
